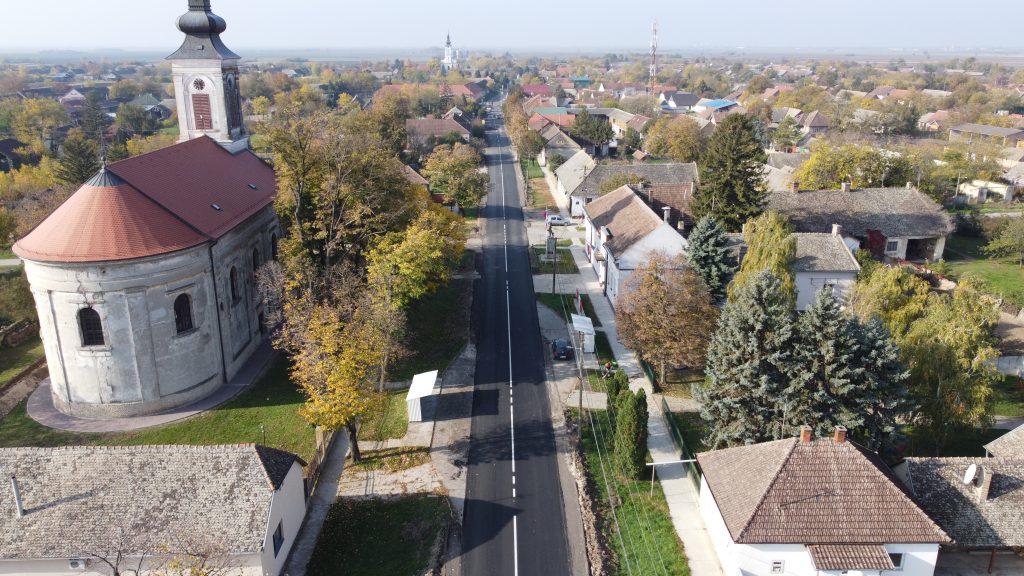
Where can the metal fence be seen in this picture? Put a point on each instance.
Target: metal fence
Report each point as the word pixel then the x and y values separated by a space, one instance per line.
pixel 692 468
pixel 324 441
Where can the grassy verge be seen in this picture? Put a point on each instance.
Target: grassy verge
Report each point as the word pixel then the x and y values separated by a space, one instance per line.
pixel 538 195
pixel 967 442
pixel 556 301
pixel 392 459
pixel 596 382
pixel 438 329
pixel 14 360
pixel 1009 397
pixel 372 537
pixel 273 402
pixel 648 539
pixel 1002 276
pixel 531 169
pixel 6 253
pixel 692 428
pixel 678 383
pixel 603 348
pixel 391 420
pixel 471 213
pixel 566 264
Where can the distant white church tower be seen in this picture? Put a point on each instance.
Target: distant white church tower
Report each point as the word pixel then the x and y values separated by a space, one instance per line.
pixel 450 58
pixel 205 74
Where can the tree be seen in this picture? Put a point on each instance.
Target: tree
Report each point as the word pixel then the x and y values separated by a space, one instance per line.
pixel 34 121
pixel 81 159
pixel 591 128
pixel 787 134
pixel 666 313
pixel 620 179
pixel 949 351
pixel 678 138
pixel 452 170
pixel 771 246
pixel 732 174
pixel 758 84
pixel 530 145
pixel 710 256
pixel 136 120
pixel 883 387
pixel 554 161
pixel 894 295
pixel 94 121
pixel 630 444
pixel 631 141
pixel 748 365
pixel 863 166
pixel 8 224
pixel 1009 241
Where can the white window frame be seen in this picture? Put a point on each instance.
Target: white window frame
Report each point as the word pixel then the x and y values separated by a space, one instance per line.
pixel 778 567
pixel 901 556
pixel 895 246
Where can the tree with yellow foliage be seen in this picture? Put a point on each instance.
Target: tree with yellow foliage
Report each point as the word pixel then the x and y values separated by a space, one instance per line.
pixel 771 246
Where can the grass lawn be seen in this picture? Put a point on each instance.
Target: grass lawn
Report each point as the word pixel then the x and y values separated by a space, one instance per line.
pixel 391 421
pixel 566 264
pixel 603 348
pixel 678 383
pixel 6 253
pixel 538 195
pixel 531 169
pixel 1009 397
pixel 471 213
pixel 14 360
pixel 596 382
pixel 648 538
pixel 272 402
pixel 692 428
pixel 968 442
pixel 555 302
pixel 1002 276
pixel 373 537
pixel 392 459
pixel 438 329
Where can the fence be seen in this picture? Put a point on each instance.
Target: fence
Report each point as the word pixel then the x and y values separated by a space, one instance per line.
pixel 324 441
pixel 693 469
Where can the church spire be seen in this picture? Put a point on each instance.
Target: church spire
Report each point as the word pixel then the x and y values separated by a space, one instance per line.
pixel 202 30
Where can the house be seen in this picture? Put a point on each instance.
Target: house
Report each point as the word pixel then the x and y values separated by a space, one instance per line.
pixel 647 175
pixel 1007 445
pixel 536 90
pixel 569 175
pixel 812 507
pixel 557 143
pixel 621 234
pixel 936 93
pixel 979 503
pixel 65 510
pixel 900 223
pixel 978 191
pixel 814 122
pixel 423 131
pixel 719 105
pixel 678 101
pixel 933 121
pixel 781 166
pixel 72 101
pixel 1009 137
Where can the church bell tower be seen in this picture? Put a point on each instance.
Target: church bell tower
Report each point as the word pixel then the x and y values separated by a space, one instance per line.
pixel 205 74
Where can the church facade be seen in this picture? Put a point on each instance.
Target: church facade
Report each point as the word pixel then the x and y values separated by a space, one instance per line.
pixel 144 279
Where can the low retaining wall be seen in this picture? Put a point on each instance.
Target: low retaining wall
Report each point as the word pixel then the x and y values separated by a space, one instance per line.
pixel 11 336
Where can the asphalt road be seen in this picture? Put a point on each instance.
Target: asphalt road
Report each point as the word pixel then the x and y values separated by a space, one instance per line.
pixel 514 521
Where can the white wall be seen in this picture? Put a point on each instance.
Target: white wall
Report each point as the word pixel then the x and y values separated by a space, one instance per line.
pixel 238 565
pixel 288 509
pixel 809 283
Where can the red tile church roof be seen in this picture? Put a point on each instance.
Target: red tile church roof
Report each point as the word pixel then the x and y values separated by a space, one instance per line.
pixel 174 198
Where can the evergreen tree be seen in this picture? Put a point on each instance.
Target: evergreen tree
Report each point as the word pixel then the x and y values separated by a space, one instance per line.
pixel 884 384
pixel 630 449
pixel 748 365
pixel 786 135
pixel 80 161
pixel 710 256
pixel 732 184
pixel 94 121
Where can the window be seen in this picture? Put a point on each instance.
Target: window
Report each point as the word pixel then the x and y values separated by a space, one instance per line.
pixel 91 326
pixel 203 119
pixel 278 539
pixel 255 261
pixel 183 313
pixel 273 246
pixel 897 560
pixel 233 280
pixel 892 245
pixel 778 566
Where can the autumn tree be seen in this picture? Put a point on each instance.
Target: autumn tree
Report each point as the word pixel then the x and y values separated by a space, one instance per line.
pixel 34 121
pixel 530 145
pixel 771 246
pixel 1009 241
pixel 895 296
pixel 453 171
pixel 786 135
pixel 710 256
pixel 732 186
pixel 8 224
pixel 863 166
pixel 666 313
pixel 80 160
pixel 678 138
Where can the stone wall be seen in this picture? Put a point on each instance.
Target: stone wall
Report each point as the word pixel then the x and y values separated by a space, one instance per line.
pixel 15 334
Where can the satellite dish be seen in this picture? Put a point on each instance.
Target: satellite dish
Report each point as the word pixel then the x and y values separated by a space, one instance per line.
pixel 972 470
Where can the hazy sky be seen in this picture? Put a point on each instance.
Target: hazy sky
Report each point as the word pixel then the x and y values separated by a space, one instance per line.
pixel 520 24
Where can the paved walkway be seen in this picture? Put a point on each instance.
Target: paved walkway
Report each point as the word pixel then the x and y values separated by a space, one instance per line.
pixel 42 410
pixel 15 393
pixel 10 262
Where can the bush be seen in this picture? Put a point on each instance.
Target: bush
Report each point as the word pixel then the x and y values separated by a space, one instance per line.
pixel 630 450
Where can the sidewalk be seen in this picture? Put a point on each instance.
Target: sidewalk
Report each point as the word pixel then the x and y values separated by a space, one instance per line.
pixel 324 495
pixel 679 491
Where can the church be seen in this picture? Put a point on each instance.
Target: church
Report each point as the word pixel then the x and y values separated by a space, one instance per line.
pixel 144 279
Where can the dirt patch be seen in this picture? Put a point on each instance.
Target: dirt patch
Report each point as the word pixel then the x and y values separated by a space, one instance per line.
pixel 599 556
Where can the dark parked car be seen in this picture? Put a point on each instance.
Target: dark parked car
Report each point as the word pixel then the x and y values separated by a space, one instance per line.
pixel 561 349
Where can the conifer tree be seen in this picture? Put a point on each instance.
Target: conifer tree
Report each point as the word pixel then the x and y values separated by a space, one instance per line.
pixel 732 184
pixel 630 448
pixel 710 256
pixel 80 161
pixel 94 121
pixel 748 365
pixel 883 386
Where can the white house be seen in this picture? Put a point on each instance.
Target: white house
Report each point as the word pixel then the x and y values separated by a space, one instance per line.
pixel 65 510
pixel 640 175
pixel 812 507
pixel 978 191
pixel 621 234
pixel 571 174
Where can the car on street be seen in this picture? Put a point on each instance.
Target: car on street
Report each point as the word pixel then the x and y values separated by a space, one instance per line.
pixel 555 220
pixel 561 349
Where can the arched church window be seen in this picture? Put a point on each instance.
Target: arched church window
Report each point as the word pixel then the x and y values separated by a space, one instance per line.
pixel 92 327
pixel 233 278
pixel 183 313
pixel 256 260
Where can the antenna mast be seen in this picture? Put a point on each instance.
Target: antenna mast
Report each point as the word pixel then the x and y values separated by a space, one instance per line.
pixel 654 57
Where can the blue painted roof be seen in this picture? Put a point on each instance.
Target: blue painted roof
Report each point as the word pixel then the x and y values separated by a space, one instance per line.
pixel 718 104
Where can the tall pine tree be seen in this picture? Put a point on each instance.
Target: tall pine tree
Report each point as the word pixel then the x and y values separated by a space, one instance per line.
pixel 710 256
pixel 94 121
pixel 629 452
pixel 748 365
pixel 81 159
pixel 884 385
pixel 732 186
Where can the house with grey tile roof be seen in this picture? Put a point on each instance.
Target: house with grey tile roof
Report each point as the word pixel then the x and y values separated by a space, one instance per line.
pixel 557 143
pixel 813 507
pixel 570 175
pixel 1009 445
pixel 979 503
pixel 63 509
pixel 975 132
pixel 621 233
pixel 672 173
pixel 898 222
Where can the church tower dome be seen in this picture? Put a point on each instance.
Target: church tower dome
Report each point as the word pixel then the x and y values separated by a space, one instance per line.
pixel 206 80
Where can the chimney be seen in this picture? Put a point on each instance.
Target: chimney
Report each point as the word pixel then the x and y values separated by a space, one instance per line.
pixel 983 483
pixel 17 496
pixel 846 186
pixel 840 436
pixel 837 230
pixel 910 185
pixel 805 433
pixel 794 186
pixel 666 212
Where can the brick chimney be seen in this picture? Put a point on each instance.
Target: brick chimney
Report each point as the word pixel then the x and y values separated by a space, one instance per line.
pixel 846 186
pixel 805 433
pixel 983 482
pixel 840 436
